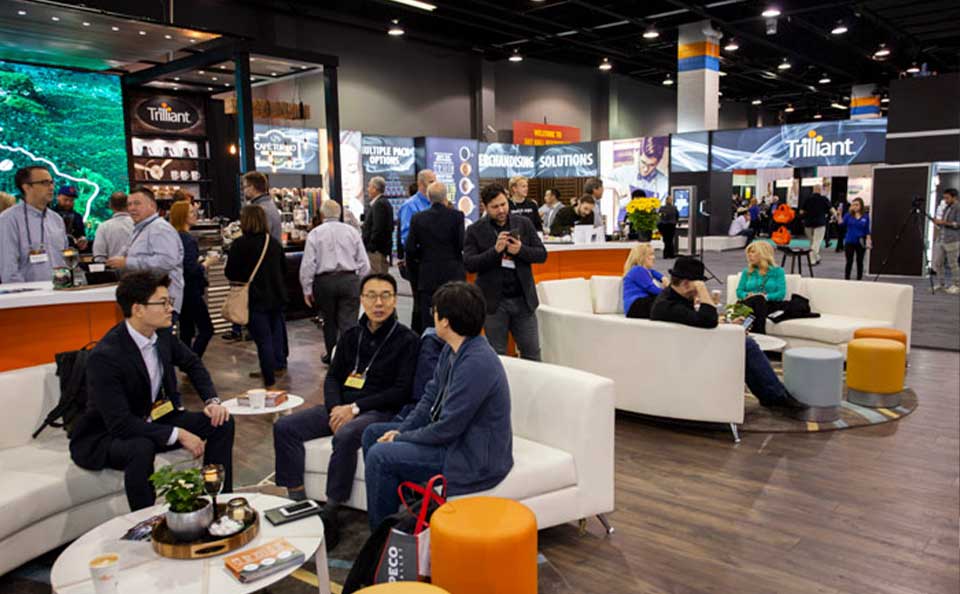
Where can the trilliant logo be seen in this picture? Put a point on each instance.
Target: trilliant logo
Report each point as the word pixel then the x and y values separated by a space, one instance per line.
pixel 813 146
pixel 168 113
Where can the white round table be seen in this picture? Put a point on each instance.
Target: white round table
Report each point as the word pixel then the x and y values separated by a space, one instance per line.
pixel 235 409
pixel 769 343
pixel 142 570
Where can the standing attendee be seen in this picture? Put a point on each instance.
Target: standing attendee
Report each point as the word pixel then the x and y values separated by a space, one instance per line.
pixel 814 213
pixel 856 239
pixel 196 328
pixel 435 248
pixel 113 235
pixel 763 284
pixel 333 263
pixel 6 201
pixel 641 283
pixel 667 225
pixel 383 352
pixel 412 206
pixel 378 226
pixel 570 216
pixel 594 187
pixel 32 239
pixel 551 206
pixel 72 220
pixel 520 204
pixel 741 225
pixel 947 244
pixel 256 186
pixel 500 249
pixel 154 244
pixel 256 253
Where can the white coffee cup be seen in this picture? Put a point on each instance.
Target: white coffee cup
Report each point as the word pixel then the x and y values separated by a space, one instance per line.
pixel 103 571
pixel 195 175
pixel 174 174
pixel 258 398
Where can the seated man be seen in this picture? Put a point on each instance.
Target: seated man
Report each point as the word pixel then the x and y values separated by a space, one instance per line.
pixel 134 408
pixel 369 380
pixel 461 425
pixel 741 225
pixel 430 348
pixel 676 304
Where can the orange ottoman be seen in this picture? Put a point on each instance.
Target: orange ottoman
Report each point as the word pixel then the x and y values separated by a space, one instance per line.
pixel 403 588
pixel 888 333
pixel 875 371
pixel 484 545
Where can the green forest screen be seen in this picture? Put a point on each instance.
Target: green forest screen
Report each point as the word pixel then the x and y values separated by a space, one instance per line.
pixel 70 122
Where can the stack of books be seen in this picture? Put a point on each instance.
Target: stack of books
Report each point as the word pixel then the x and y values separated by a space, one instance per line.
pixel 274 398
pixel 273 557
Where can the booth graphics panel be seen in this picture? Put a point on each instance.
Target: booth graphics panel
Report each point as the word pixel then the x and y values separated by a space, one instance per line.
pixel 394 159
pixel 689 152
pixel 503 160
pixel 351 171
pixel 568 160
pixel 280 149
pixel 641 163
pixel 454 161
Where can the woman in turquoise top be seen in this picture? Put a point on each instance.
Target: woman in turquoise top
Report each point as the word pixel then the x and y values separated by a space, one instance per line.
pixel 763 284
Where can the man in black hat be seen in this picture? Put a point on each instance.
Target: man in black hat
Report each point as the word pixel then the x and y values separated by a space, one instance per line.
pixel 72 220
pixel 676 304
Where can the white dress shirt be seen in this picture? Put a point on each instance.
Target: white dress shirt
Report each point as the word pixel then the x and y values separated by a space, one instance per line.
pixel 148 350
pixel 738 225
pixel 113 235
pixel 332 247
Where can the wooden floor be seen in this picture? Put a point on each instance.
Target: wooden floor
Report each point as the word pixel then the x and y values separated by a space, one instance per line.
pixel 870 511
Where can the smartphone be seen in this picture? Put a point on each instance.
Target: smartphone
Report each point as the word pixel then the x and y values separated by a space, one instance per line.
pixel 515 234
pixel 298 508
pixel 748 322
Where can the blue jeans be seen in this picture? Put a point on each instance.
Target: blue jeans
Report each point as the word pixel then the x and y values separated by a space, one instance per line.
pixel 389 464
pixel 760 377
pixel 266 328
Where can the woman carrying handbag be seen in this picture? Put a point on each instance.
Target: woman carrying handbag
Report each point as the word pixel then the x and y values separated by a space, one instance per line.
pixel 256 261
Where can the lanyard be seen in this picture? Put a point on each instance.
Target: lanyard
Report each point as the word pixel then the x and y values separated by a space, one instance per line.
pixel 26 223
pixel 140 230
pixel 356 363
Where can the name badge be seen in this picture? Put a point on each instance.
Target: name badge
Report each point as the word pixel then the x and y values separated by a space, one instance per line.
pixel 355 381
pixel 39 257
pixel 161 408
pixel 507 263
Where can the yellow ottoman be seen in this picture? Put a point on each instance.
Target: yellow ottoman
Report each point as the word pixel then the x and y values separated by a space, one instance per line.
pixel 484 545
pixel 403 588
pixel 888 333
pixel 875 370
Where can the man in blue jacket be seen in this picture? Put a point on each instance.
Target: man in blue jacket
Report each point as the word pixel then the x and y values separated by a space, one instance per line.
pixel 460 427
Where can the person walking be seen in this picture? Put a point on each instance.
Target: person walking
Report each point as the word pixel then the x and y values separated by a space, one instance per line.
pixel 814 213
pixel 196 328
pixel 669 216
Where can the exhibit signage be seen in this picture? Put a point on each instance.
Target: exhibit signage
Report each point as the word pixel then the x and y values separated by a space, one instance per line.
pixel 454 161
pixel 689 152
pixel 568 160
pixel 286 150
pixel 632 164
pixel 532 133
pixel 499 159
pixel 394 159
pixel 167 115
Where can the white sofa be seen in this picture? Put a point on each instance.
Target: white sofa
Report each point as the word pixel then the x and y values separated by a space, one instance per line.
pixel 722 243
pixel 562 446
pixel 660 369
pixel 45 499
pixel 843 306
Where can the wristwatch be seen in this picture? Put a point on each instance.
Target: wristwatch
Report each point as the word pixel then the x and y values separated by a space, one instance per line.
pixel 355 409
pixel 213 400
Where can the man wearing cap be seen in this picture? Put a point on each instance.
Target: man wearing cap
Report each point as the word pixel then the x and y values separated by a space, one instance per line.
pixel 72 220
pixel 676 304
pixel 31 239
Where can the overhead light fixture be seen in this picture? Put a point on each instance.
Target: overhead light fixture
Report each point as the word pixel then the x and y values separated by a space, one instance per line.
pixel 515 56
pixel 273 74
pixel 883 52
pixel 914 69
pixel 200 72
pixel 668 81
pixel 54 18
pixel 785 65
pixel 86 23
pixel 719 93
pixel 885 100
pixel 721 73
pixel 176 88
pixel 605 65
pixel 209 88
pixel 193 40
pixel 836 105
pixel 771 12
pixel 176 78
pixel 651 33
pixel 417 4
pixel 22 12
pixel 817 116
pixel 395 29
pixel 303 68
pixel 756 101
pixel 732 45
pixel 789 109
pixel 223 66
pixel 168 36
pixel 232 149
pixel 825 80
pixel 214 78
pixel 142 32
pixel 839 29
pixel 114 28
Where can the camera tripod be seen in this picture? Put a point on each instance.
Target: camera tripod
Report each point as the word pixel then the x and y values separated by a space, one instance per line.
pixel 916 217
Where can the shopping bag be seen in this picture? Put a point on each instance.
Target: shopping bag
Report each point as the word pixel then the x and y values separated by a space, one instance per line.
pixel 406 554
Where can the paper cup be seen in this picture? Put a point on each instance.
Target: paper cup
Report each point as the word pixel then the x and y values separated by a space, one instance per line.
pixel 258 398
pixel 103 572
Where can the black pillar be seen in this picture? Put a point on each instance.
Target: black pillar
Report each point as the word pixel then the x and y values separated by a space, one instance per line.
pixel 332 107
pixel 248 161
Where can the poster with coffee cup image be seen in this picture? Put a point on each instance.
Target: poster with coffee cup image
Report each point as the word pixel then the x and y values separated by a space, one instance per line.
pixel 454 161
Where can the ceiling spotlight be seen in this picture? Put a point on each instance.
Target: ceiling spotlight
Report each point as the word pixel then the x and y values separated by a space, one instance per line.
pixel 756 101
pixel 303 68
pixel 55 18
pixel 825 80
pixel 721 73
pixel 771 12
pixel 168 36
pixel 114 28
pixel 176 78
pixel 515 57
pixel 86 24
pixel 142 32
pixel 273 74
pixel 395 29
pixel 789 109
pixel 817 116
pixel 22 12
pixel 883 52
pixel 200 72
pixel 214 78
pixel 605 65
pixel 223 66
pixel 836 105
pixel 731 46
pixel 914 69
pixel 417 4
pixel 176 88
pixel 785 65
pixel 668 81
pixel 209 88
pixel 719 93
pixel 651 33
pixel 885 100
pixel 193 40
pixel 839 29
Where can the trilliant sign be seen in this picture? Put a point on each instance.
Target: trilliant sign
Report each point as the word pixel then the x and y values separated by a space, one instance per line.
pixel 814 146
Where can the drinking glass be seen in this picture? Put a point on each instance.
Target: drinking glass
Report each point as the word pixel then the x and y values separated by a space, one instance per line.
pixel 213 476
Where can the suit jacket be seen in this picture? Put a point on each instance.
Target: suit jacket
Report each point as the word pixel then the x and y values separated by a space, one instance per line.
pixel 118 393
pixel 480 256
pixel 435 247
pixel 378 227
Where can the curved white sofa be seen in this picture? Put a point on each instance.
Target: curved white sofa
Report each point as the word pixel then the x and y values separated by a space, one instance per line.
pixel 843 306
pixel 659 368
pixel 45 499
pixel 562 446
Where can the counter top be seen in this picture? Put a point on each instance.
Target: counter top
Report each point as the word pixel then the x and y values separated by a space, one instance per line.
pixel 42 293
pixel 610 245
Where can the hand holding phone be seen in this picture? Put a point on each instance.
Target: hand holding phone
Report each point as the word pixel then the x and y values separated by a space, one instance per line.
pixel 748 322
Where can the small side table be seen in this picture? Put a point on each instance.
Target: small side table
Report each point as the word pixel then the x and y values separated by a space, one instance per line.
pixel 236 410
pixel 768 343
pixel 796 254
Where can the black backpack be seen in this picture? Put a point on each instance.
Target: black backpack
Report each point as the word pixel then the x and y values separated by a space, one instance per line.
pixel 72 371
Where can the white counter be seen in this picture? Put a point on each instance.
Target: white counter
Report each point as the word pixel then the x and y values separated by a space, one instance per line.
pixel 610 245
pixel 43 294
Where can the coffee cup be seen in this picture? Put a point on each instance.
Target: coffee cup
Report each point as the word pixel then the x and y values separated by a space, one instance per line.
pixel 465 153
pixel 258 398
pixel 103 572
pixel 184 174
pixel 195 175
pixel 174 174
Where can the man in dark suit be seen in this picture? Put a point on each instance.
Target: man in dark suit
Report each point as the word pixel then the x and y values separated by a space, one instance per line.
pixel 500 248
pixel 434 248
pixel 378 227
pixel 134 409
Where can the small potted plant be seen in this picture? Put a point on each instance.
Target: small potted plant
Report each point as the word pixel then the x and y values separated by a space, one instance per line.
pixel 643 214
pixel 738 311
pixel 190 513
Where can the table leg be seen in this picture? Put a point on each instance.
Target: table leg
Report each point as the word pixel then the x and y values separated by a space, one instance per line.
pixel 323 573
pixel 783 260
pixel 810 264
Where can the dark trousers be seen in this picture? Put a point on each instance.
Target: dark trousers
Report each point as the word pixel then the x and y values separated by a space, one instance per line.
pixel 760 377
pixel 338 298
pixel 640 308
pixel 668 231
pixel 762 307
pixel 425 305
pixel 850 250
pixel 389 464
pixel 514 317
pixel 196 329
pixel 289 434
pixel 748 233
pixel 416 317
pixel 135 456
pixel 266 328
pixel 841 233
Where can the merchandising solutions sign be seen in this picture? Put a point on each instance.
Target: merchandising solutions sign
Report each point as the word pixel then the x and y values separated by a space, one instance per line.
pixel 568 160
pixel 454 161
pixel 499 159
pixel 801 145
pixel 286 150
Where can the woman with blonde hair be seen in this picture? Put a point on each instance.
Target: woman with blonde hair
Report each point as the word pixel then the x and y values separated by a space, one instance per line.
pixel 518 186
pixel 763 284
pixel 641 283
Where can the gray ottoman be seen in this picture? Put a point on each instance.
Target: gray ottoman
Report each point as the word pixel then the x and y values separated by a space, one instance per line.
pixel 814 376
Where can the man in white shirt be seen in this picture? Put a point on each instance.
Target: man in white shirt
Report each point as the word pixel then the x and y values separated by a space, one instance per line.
pixel 113 235
pixel 32 236
pixel 334 261
pixel 741 225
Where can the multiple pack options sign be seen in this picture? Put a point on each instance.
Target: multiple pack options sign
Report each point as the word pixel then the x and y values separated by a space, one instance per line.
pixel 499 159
pixel 391 157
pixel 568 160
pixel 532 133
pixel 454 161
pixel 286 150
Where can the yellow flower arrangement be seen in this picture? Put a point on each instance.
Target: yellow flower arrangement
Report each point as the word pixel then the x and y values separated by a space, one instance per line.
pixel 643 214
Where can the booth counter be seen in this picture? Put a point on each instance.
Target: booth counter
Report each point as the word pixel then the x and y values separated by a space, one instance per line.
pixel 567 260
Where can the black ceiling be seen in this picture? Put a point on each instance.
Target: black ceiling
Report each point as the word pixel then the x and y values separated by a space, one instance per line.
pixel 583 32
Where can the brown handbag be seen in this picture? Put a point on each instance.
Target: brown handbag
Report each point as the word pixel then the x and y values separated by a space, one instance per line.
pixel 236 308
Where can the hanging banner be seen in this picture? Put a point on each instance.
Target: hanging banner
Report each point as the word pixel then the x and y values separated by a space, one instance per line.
pixel 628 165
pixel 391 157
pixel 454 161
pixel 499 159
pixel 532 133
pixel 689 152
pixel 286 150
pixel 568 160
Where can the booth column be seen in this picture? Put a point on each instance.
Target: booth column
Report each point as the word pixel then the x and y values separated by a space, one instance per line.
pixel 864 102
pixel 698 77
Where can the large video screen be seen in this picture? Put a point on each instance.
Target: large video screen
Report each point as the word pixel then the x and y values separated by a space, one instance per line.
pixel 70 122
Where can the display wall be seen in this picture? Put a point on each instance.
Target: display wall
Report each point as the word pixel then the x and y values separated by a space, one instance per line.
pixel 70 122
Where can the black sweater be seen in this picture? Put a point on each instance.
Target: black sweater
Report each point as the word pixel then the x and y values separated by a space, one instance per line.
pixel 268 290
pixel 671 307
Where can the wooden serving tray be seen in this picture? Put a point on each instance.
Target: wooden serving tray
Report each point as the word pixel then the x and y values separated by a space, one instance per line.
pixel 166 545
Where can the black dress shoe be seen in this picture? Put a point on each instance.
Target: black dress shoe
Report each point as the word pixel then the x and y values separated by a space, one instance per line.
pixel 331 528
pixel 789 402
pixel 230 336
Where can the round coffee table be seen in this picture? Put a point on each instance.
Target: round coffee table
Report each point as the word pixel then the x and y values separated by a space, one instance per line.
pixel 236 410
pixel 769 343
pixel 143 570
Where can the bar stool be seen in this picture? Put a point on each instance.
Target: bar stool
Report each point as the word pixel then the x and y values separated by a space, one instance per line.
pixel 875 371
pixel 814 376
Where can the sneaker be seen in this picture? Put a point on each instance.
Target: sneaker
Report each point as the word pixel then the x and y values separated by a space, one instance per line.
pixel 954 290
pixel 937 287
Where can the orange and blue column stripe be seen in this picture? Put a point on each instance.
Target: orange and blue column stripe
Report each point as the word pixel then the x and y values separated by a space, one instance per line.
pixel 864 106
pixel 702 55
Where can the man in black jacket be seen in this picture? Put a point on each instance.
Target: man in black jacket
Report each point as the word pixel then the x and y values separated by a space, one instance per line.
pixel 435 248
pixel 134 409
pixel 378 226
pixel 500 248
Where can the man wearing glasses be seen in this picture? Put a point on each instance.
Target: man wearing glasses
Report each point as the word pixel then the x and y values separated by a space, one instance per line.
pixel 368 382
pixel 32 237
pixel 134 410
pixel 254 186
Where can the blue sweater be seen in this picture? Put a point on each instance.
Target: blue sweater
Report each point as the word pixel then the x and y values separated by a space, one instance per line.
pixel 857 229
pixel 639 283
pixel 474 417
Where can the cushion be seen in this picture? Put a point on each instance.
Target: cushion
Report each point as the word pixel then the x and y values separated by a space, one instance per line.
pixel 607 294
pixel 829 328
pixel 572 294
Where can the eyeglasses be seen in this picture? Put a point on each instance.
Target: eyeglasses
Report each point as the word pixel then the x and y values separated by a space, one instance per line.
pixel 165 303
pixel 385 297
pixel 42 182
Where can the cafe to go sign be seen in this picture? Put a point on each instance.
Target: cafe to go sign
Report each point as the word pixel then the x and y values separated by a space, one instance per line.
pixel 532 133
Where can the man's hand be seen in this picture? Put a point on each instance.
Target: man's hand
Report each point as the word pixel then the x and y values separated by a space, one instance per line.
pixel 513 245
pixel 218 414
pixel 340 416
pixel 502 241
pixel 117 262
pixel 388 437
pixel 190 442
pixel 308 299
